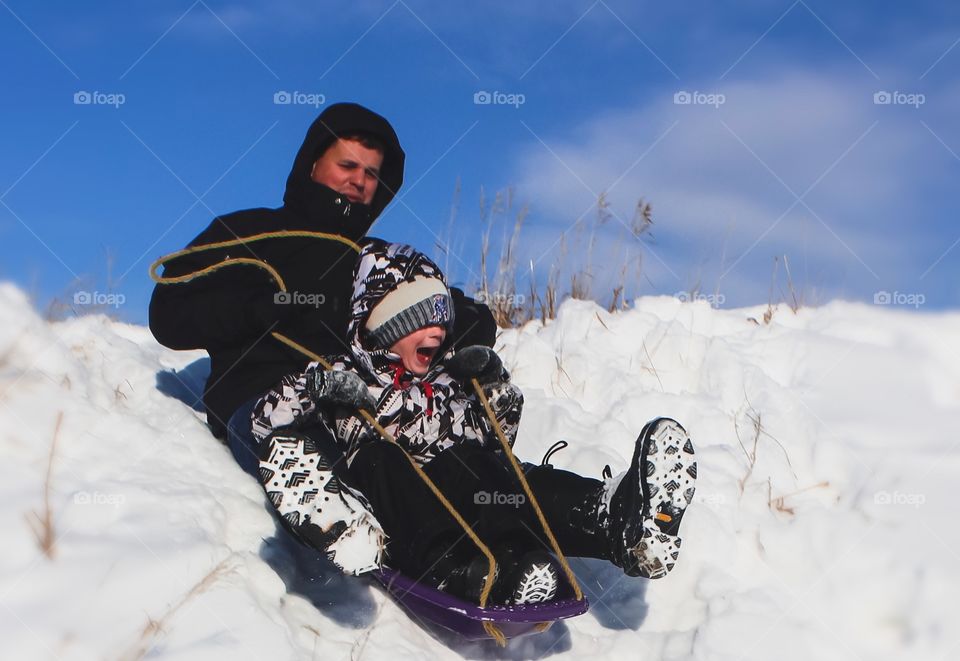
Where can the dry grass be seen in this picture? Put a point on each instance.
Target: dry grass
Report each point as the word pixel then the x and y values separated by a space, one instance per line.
pixel 652 367
pixel 580 260
pixel 41 522
pixel 154 629
pixel 751 454
pixel 779 503
pixel 514 304
pixel 756 431
pixel 793 299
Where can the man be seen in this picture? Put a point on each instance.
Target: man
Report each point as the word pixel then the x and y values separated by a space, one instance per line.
pixel 347 170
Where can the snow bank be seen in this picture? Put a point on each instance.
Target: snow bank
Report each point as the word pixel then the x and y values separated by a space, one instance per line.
pixel 822 526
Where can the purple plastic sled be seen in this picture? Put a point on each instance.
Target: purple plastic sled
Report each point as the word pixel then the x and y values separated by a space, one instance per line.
pixel 466 619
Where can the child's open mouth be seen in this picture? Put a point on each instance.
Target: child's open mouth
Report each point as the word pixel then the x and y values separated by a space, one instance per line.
pixel 425 354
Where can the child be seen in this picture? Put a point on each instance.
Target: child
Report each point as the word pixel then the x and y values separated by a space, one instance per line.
pixel 396 368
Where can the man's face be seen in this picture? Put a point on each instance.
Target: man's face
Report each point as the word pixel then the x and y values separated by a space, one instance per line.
pixel 350 169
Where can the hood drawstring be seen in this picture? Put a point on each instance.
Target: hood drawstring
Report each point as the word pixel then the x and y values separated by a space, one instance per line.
pixel 556 447
pixel 428 390
pixel 398 383
pixel 398 373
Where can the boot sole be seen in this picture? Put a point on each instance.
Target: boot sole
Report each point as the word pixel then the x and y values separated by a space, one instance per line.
pixel 536 584
pixel 669 482
pixel 666 462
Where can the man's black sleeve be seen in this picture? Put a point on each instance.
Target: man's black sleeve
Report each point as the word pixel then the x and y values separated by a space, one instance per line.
pixel 472 322
pixel 223 308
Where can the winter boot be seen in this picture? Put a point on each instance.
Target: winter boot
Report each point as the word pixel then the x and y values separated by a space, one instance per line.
pixel 535 579
pixel 647 502
pixel 526 576
pixel 460 575
pixel 520 578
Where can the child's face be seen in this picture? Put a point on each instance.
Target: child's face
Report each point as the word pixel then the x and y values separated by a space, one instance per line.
pixel 417 349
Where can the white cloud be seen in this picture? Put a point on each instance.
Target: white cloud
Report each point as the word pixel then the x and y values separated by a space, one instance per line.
pixel 711 191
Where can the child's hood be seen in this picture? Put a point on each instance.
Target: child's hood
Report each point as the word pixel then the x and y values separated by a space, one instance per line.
pixel 380 268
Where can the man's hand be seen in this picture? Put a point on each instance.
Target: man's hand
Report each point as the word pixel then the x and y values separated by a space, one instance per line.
pixel 339 388
pixel 476 362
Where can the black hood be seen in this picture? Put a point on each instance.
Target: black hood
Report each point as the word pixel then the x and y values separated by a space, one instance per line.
pixel 343 119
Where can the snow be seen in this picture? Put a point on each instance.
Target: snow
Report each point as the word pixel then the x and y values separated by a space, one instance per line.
pixel 836 541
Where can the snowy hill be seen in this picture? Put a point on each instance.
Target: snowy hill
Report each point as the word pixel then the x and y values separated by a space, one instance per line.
pixel 822 527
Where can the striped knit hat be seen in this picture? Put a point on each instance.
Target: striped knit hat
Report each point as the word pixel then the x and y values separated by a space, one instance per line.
pixel 411 305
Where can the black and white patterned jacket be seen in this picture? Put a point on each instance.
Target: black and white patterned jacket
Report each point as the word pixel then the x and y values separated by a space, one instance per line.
pixel 425 414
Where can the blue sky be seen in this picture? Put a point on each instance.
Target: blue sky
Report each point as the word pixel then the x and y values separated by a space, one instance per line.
pixel 786 146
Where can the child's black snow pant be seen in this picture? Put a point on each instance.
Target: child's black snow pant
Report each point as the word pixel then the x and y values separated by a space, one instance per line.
pixel 480 483
pixel 483 488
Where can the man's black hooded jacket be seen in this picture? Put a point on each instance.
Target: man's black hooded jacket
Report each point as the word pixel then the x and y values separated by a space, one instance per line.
pixel 231 312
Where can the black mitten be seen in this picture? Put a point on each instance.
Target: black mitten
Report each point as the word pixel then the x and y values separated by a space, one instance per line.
pixel 339 388
pixel 479 362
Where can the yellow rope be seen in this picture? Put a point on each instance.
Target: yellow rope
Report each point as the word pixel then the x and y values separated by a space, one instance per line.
pixel 526 488
pixel 240 260
pixel 302 349
pixel 495 633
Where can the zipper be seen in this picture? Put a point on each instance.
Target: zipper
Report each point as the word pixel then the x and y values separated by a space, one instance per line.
pixel 346 208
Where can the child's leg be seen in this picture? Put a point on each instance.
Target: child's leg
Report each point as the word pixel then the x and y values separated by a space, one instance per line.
pixel 426 543
pixel 632 520
pixel 484 490
pixel 414 520
pixel 572 506
pixel 303 484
